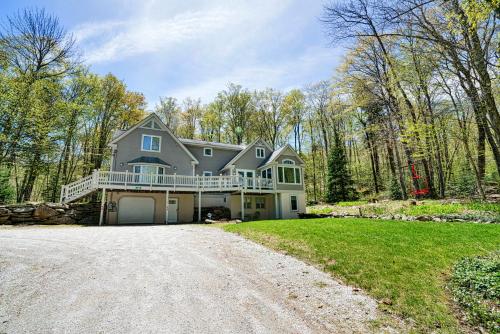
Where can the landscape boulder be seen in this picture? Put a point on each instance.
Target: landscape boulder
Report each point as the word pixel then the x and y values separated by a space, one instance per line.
pixel 43 212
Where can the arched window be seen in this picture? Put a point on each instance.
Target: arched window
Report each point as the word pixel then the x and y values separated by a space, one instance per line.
pixel 288 162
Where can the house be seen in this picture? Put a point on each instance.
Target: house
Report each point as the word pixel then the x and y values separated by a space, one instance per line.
pixel 156 177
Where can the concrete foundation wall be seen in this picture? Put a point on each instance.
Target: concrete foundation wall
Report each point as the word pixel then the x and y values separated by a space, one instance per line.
pixel 285 204
pixel 251 214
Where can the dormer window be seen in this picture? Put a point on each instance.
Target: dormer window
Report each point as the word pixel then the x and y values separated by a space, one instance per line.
pixel 288 162
pixel 208 152
pixel 150 143
pixel 260 152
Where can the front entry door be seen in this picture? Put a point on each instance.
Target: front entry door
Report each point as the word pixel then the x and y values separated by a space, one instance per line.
pixel 172 210
pixel 249 174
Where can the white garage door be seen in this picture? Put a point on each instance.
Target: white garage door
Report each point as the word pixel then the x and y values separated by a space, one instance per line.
pixel 136 210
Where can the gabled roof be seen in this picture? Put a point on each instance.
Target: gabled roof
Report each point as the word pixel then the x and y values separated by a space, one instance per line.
pixel 117 133
pixel 242 153
pixel 149 160
pixel 155 117
pixel 278 152
pixel 202 143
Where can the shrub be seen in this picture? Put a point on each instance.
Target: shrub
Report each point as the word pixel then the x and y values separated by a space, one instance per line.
pixel 475 285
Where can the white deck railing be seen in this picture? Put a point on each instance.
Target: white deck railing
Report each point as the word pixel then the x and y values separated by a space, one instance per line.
pixel 139 181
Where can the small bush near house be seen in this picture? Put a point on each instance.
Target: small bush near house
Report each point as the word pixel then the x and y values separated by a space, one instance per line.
pixel 475 285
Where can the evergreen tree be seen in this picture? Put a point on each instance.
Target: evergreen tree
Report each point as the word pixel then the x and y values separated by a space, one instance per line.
pixel 396 193
pixel 6 190
pixel 339 182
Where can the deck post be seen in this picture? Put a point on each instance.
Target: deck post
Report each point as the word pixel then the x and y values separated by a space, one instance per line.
pixel 166 208
pixel 103 201
pixel 63 189
pixel 175 180
pixel 199 206
pixel 95 178
pixel 242 206
pixel 276 207
pixel 126 179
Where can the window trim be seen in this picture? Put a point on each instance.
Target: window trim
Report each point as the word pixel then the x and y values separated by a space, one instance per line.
pixel 152 136
pixel 208 172
pixel 211 152
pixel 260 149
pixel 294 174
pixel 296 203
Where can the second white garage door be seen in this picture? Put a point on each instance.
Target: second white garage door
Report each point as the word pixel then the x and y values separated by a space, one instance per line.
pixel 136 210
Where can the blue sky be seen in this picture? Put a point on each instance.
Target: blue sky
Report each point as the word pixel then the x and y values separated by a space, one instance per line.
pixel 195 48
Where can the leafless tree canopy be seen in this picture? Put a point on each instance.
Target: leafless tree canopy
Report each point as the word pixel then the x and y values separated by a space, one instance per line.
pixel 36 43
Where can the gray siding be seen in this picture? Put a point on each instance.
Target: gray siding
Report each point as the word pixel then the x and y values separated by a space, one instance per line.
pixel 289 157
pixel 219 159
pixel 129 148
pixel 249 160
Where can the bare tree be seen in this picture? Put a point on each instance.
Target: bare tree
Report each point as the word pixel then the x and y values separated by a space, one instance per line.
pixel 36 44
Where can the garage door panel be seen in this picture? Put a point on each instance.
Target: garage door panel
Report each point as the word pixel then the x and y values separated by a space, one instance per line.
pixel 136 210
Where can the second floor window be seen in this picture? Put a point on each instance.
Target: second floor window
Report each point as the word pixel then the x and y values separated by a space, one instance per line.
pixel 260 152
pixel 266 173
pixel 151 143
pixel 207 152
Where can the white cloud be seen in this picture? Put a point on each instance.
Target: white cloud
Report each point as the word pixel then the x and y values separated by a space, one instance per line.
pixel 148 32
pixel 195 48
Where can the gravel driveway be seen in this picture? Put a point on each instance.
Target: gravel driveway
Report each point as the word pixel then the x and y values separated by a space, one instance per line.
pixel 165 279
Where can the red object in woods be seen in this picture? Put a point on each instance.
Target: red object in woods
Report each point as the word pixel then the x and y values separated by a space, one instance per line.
pixel 420 191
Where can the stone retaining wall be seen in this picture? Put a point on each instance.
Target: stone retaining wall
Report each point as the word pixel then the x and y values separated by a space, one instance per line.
pixel 50 213
pixel 435 218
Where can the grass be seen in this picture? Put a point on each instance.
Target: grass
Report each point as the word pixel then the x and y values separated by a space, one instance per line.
pixel 407 264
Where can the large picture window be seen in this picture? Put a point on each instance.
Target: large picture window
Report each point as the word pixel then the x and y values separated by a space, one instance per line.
pixel 290 175
pixel 150 143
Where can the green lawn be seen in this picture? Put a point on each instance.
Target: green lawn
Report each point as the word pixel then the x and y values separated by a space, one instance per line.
pixel 407 264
